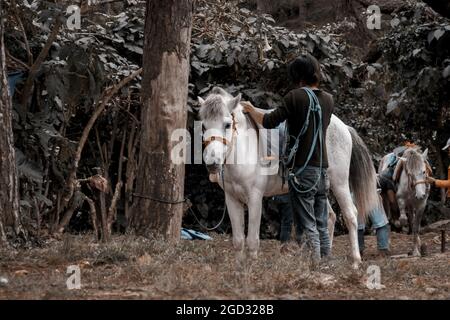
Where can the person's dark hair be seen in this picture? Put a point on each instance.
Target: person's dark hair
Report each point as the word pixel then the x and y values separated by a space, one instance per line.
pixel 305 68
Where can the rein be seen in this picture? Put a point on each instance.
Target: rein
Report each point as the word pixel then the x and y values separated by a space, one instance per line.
pixel 420 182
pixel 413 183
pixel 223 213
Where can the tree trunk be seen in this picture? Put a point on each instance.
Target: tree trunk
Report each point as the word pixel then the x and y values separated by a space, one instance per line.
pixel 9 198
pixel 157 207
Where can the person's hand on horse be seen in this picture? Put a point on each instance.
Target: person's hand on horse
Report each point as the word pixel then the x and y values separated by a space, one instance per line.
pixel 254 113
pixel 431 180
pixel 248 107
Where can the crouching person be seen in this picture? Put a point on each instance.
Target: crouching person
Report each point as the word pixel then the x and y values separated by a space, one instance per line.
pixel 380 224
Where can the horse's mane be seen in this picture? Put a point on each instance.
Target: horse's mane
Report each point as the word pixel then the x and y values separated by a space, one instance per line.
pixel 212 108
pixel 414 160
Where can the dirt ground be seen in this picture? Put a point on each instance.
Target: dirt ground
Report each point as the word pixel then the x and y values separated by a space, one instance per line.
pixel 136 268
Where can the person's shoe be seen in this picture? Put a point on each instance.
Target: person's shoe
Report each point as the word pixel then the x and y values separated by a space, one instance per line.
pixel 384 253
pixel 328 261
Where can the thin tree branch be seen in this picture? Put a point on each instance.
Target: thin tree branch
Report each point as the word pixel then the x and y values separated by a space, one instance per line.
pixel 93 213
pixel 37 65
pixel 24 33
pixel 112 209
pixel 20 62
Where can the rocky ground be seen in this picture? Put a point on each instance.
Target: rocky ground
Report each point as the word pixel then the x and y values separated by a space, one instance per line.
pixel 136 268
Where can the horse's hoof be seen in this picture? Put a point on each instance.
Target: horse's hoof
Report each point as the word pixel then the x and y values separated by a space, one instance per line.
pixel 423 250
pixel 403 222
pixel 415 253
pixel 253 255
pixel 357 261
pixel 240 260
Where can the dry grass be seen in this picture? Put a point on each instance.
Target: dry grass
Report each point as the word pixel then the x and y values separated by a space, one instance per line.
pixel 132 267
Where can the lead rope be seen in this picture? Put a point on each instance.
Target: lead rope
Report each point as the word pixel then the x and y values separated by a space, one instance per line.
pixel 223 212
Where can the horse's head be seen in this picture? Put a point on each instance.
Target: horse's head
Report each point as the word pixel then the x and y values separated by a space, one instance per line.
pixel 218 116
pixel 417 171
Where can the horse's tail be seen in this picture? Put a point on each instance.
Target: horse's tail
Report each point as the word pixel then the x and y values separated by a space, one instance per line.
pixel 363 178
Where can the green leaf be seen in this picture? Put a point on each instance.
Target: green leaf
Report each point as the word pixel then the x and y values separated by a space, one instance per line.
pixel 392 106
pixel 27 168
pixel 446 72
pixel 438 34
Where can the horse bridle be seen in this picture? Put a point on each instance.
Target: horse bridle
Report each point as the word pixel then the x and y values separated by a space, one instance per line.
pixel 224 140
pixel 413 183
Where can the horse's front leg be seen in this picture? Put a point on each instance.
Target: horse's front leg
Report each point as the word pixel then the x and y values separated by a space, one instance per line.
pixel 415 231
pixel 254 223
pixel 403 220
pixel 236 214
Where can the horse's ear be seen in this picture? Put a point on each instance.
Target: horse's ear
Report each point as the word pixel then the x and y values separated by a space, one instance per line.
pixel 234 103
pixel 201 101
pixel 425 154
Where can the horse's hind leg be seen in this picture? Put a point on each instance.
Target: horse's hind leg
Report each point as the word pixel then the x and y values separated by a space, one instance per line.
pixel 254 223
pixel 343 196
pixel 331 223
pixel 236 213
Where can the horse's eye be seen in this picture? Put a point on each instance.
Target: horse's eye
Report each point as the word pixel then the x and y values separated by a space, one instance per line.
pixel 227 125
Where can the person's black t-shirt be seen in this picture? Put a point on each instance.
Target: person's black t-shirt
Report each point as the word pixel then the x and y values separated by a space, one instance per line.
pixel 295 110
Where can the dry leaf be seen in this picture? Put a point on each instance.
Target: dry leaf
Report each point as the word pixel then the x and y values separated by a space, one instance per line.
pixel 21 273
pixel 98 182
pixel 144 260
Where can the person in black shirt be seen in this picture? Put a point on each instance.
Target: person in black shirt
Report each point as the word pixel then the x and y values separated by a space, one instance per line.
pixel 308 191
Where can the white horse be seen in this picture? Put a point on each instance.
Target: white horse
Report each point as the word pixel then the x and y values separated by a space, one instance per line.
pixel 350 166
pixel 411 174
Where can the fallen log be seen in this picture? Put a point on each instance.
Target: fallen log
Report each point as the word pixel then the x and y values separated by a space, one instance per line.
pixel 437 226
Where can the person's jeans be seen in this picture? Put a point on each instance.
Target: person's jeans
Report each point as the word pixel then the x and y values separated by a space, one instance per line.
pixel 311 208
pixel 287 219
pixel 381 224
